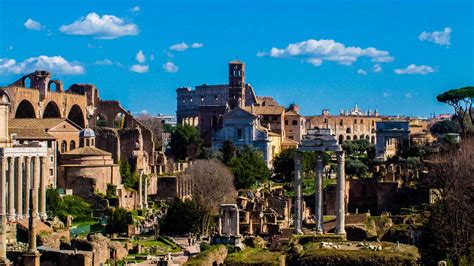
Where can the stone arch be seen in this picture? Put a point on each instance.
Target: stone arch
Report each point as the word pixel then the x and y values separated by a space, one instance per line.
pixel 367 137
pixel 120 120
pixel 25 110
pixel 26 82
pixel 348 138
pixel 362 136
pixel 51 110
pixel 341 139
pixel 76 115
pixel 355 137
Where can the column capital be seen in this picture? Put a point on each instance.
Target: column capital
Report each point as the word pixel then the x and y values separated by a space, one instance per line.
pixel 340 155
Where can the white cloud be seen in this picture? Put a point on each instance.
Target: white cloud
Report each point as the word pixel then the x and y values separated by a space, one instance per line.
pixel 170 67
pixel 197 45
pixel 169 54
pixel 386 94
pixel 179 47
pixel 140 57
pixel 361 72
pixel 55 64
pixel 414 69
pixel 408 95
pixel 316 51
pixel 107 62
pixel 33 25
pixel 377 68
pixel 438 37
pixel 101 27
pixel 139 68
pixel 135 9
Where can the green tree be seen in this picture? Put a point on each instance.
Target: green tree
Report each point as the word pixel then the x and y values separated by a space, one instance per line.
pixel 119 221
pixel 129 177
pixel 61 207
pixel 445 126
pixel 183 217
pixel 284 163
pixel 183 138
pixel 53 201
pixel 461 100
pixel 228 151
pixel 248 168
pixel 355 167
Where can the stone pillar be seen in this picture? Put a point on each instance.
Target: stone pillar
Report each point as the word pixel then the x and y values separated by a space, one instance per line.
pixel 32 256
pixel 42 188
pixel 26 197
pixel 318 213
pixel 226 222
pixel 36 177
pixel 298 194
pixel 140 190
pixel 11 190
pixel 3 210
pixel 340 194
pixel 19 188
pixel 145 195
pixel 219 226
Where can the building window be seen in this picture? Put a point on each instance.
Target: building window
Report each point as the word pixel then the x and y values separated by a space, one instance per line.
pixel 290 137
pixel 50 144
pixel 239 134
pixel 191 99
pixel 184 100
pixel 294 122
pixel 348 130
pixel 355 121
pixel 325 120
pixel 202 98
pixel 361 121
pixel 216 98
pixel 51 173
pixel 286 122
pixel 63 146
pixel 373 123
pixel 87 142
pixel 72 145
pixel 340 123
pixel 275 118
pixel 265 117
pixel 51 159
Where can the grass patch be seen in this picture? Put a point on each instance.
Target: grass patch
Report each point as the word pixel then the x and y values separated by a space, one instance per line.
pixel 254 256
pixel 158 246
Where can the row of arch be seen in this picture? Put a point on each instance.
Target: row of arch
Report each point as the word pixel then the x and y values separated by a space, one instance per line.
pixel 355 137
pixel 26 110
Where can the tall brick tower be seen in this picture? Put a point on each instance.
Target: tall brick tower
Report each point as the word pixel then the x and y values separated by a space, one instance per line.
pixel 236 84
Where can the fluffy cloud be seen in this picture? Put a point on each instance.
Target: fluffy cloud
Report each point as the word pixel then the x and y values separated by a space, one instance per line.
pixel 438 37
pixel 33 25
pixel 135 9
pixel 107 62
pixel 101 27
pixel 414 69
pixel 170 67
pixel 140 57
pixel 181 47
pixel 55 64
pixel 139 68
pixel 197 45
pixel 361 72
pixel 377 68
pixel 316 52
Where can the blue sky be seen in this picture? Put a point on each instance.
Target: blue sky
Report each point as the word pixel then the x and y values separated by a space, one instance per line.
pixel 395 56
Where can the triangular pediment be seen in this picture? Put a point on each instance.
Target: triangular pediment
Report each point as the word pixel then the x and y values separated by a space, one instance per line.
pixel 239 113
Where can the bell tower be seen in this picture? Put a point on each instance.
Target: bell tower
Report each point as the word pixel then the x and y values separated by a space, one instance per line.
pixel 236 84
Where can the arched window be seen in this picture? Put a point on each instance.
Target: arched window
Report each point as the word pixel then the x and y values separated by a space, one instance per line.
pixel 348 138
pixel 355 137
pixel 348 130
pixel 72 145
pixel 63 146
pixel 341 139
pixel 87 142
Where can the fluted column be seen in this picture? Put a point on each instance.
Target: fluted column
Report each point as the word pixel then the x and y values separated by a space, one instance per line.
pixel 26 197
pixel 140 191
pixel 32 220
pixel 318 214
pixel 3 218
pixel 36 177
pixel 42 188
pixel 298 200
pixel 340 194
pixel 19 188
pixel 11 190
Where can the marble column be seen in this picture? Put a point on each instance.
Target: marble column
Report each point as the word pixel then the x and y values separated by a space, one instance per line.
pixel 42 188
pixel 318 213
pixel 145 194
pixel 340 194
pixel 31 257
pixel 26 191
pixel 298 201
pixel 3 219
pixel 19 188
pixel 140 190
pixel 36 177
pixel 11 190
